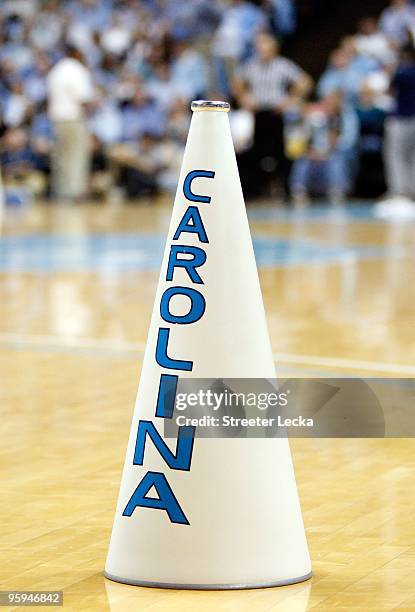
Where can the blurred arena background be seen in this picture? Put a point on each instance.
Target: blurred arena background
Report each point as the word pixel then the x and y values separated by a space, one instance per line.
pixel 94 112
pixel 95 95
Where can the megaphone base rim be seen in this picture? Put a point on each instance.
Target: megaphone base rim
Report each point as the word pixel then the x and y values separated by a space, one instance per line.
pixel 209 587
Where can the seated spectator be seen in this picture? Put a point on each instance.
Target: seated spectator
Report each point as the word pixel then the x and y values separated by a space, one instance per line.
pixel 141 115
pixel 35 81
pixel 178 121
pixel 116 39
pixel 397 20
pixel 346 72
pixel 142 165
pixel 189 71
pixel 107 72
pixel 19 164
pixel 372 42
pixel 93 14
pixel 238 27
pixel 191 19
pixel 336 75
pixel 326 166
pixel 360 63
pixel 132 15
pixel 105 119
pixel 47 26
pixel 15 48
pixel 21 9
pixel 17 105
pixel 234 38
pixel 283 16
pixel 161 87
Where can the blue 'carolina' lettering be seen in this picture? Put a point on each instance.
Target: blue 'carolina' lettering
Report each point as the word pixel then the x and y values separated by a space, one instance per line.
pixel 190 265
pixel 196 227
pixel 180 460
pixel 165 501
pixel 187 185
pixel 166 396
pixel 161 353
pixel 197 305
pixel 189 258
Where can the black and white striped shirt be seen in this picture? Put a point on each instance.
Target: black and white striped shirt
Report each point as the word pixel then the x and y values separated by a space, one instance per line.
pixel 269 81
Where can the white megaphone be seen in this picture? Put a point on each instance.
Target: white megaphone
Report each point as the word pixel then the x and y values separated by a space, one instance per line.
pixel 206 513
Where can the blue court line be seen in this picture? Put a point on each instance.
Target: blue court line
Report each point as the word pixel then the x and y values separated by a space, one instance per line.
pixel 123 252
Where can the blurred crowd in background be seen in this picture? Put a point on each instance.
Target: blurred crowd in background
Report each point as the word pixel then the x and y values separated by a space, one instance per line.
pixel 95 97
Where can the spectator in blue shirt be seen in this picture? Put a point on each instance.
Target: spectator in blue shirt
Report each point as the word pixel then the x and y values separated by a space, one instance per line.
pixel 189 71
pixel 105 120
pixel 346 73
pixel 21 169
pixel 16 158
pixel 397 20
pixel 35 82
pixel 161 87
pixel 140 116
pixel 234 39
pixel 93 14
pixel 239 25
pixel 326 167
pixel 284 16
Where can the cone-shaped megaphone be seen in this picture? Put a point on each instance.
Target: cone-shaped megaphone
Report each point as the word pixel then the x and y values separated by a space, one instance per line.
pixel 206 513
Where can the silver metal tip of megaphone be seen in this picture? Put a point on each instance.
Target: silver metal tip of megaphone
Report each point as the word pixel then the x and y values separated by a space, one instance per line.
pixel 210 105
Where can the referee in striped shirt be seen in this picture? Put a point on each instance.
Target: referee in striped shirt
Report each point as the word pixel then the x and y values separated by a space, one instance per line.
pixel 265 84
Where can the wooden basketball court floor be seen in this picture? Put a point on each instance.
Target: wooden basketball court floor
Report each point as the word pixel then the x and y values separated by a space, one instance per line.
pixel 76 292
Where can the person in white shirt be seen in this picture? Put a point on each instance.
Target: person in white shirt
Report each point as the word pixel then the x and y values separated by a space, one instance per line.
pixel 371 41
pixel 70 89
